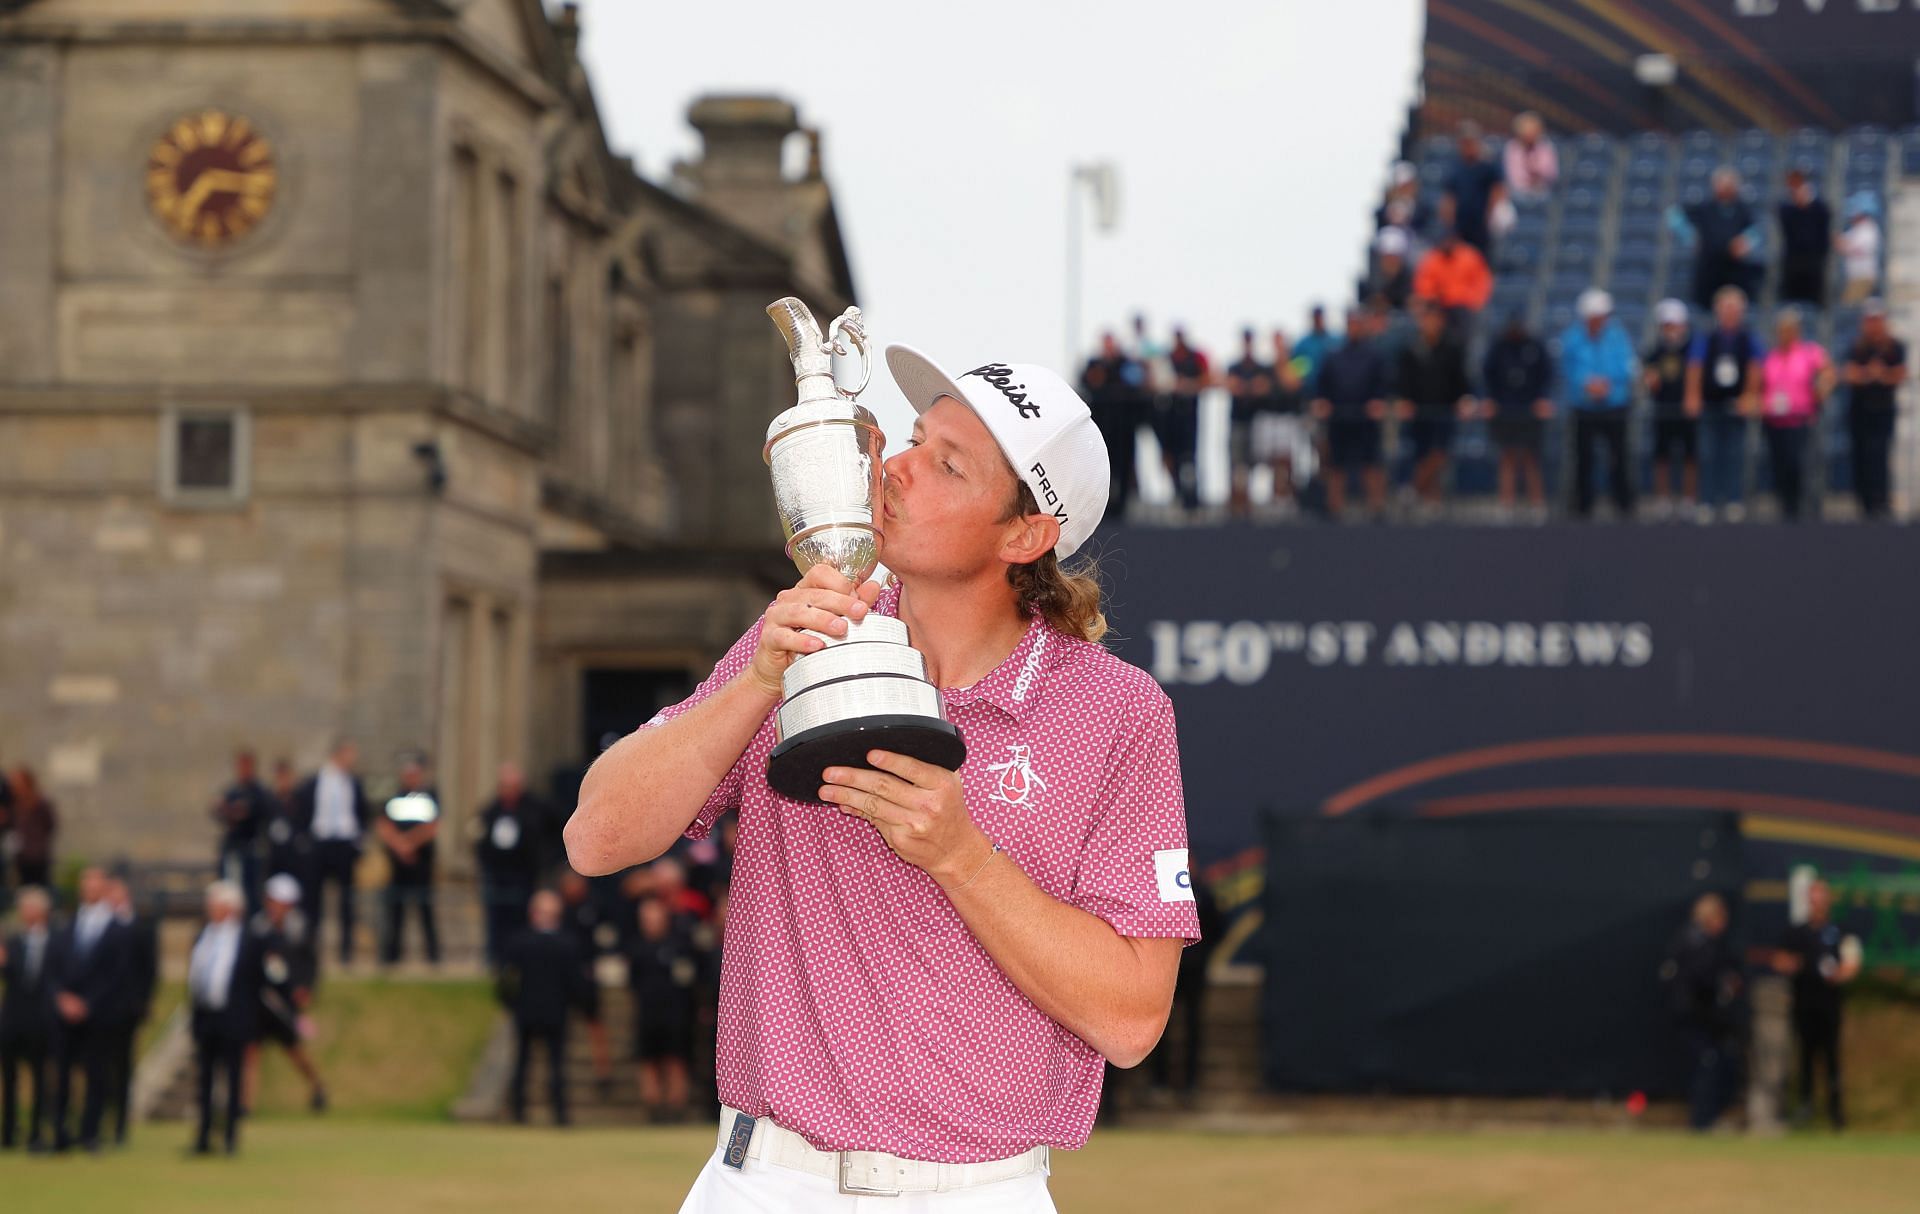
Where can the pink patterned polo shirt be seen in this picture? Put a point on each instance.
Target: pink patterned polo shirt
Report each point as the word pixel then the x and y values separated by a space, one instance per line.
pixel 856 1009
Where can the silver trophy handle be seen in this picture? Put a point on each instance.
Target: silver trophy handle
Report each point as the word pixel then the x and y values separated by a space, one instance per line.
pixel 849 324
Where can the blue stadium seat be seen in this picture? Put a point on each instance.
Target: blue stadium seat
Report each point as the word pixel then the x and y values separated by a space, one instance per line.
pixel 1910 153
pixel 1867 137
pixel 1634 260
pixel 1590 173
pixel 1566 285
pixel 1583 200
pixel 1631 284
pixel 1701 143
pixel 1516 256
pixel 1574 255
pixel 1697 170
pixel 1648 169
pixel 1640 200
pixel 1753 140
pixel 1641 227
pixel 1633 318
pixel 1581 228
pixel 1808 141
pixel 1558 318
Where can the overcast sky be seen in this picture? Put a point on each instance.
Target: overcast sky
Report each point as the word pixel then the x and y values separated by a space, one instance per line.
pixel 1251 141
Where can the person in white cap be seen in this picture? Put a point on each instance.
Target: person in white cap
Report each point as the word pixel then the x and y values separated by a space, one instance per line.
pixel 1676 433
pixel 1597 369
pixel 1392 279
pixel 927 976
pixel 288 966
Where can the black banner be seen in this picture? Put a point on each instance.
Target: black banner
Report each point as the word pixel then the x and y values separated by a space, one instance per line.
pixel 1498 956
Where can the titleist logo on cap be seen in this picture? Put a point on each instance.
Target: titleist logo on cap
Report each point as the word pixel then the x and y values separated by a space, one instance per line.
pixel 1000 375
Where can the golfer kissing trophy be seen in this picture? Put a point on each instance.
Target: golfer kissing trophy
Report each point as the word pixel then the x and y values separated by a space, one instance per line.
pixel 867 690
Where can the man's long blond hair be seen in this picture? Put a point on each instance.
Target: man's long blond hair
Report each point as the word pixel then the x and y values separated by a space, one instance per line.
pixel 1069 599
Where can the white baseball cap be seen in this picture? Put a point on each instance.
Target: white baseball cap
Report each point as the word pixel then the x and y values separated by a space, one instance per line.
pixel 1670 312
pixel 1594 302
pixel 1043 427
pixel 1391 240
pixel 283 888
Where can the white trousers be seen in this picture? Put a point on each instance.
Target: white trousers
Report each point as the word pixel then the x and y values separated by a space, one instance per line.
pixel 766 1188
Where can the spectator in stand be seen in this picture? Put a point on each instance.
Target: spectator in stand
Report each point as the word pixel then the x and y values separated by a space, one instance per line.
pixel 35 822
pixel 1876 365
pixel 242 813
pixel 1431 389
pixel 1278 431
pixel 1475 189
pixel 1597 363
pixel 1676 433
pixel 1795 377
pixel 1859 249
pixel 1312 350
pixel 1404 208
pixel 1113 386
pixel 1180 438
pixel 1454 275
pixel 1706 990
pixel 1533 167
pixel 1806 237
pixel 1391 279
pixel 1727 239
pixel 1519 382
pixel 1723 383
pixel 1352 401
pixel 662 968
pixel 1250 386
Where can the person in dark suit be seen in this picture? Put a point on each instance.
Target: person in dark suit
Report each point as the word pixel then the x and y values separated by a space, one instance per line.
pixel 26 1017
pixel 511 851
pixel 287 965
pixel 540 983
pixel 143 971
pixel 241 814
pixel 331 807
pixel 289 846
pixel 92 967
pixel 224 977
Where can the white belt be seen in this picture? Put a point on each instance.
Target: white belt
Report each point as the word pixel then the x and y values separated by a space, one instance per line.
pixel 876 1173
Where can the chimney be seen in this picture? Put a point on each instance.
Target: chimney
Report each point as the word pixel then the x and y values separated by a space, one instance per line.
pixel 743 138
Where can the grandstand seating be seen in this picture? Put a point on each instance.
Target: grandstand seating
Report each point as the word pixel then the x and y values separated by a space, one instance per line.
pixel 1605 225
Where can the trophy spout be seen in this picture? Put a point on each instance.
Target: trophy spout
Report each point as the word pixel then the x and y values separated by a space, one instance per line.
pixel 812 357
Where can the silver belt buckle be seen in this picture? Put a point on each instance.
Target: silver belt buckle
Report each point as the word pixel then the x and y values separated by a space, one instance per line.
pixel 853 1188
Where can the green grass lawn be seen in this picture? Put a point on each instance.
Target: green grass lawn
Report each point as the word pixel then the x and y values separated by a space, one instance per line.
pixel 296 1165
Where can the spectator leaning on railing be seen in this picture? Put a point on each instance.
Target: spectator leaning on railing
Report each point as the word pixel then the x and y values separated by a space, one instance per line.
pixel 1518 377
pixel 1351 399
pixel 1432 388
pixel 1795 377
pixel 1723 376
pixel 1391 280
pixel 1876 365
pixel 1597 365
pixel 1676 433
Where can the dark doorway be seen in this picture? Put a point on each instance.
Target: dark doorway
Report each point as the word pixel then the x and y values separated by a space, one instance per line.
pixel 614 703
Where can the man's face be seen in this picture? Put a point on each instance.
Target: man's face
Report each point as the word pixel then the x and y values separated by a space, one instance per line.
pixel 1819 901
pixel 412 775
pixel 33 913
pixel 1673 333
pixel 946 495
pixel 1874 329
pixel 282 777
pixel 219 910
pixel 1725 189
pixel 1432 322
pixel 93 885
pixel 1108 346
pixel 1319 320
pixel 1595 324
pixel 347 757
pixel 119 897
pixel 513 782
pixel 243 768
pixel 1729 311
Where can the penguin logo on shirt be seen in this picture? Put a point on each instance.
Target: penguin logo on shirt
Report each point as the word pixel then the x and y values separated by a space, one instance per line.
pixel 1019 784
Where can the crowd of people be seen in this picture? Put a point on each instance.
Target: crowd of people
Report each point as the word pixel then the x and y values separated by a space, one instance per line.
pixel 1418 356
pixel 1707 984
pixel 78 987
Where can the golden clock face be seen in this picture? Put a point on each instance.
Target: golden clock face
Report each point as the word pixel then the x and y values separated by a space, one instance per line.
pixel 211 178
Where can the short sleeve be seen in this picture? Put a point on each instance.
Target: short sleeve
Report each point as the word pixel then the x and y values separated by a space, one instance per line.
pixel 726 795
pixel 1134 866
pixel 1697 353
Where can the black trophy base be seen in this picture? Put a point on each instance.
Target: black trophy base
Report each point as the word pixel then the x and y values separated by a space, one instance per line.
pixel 795 765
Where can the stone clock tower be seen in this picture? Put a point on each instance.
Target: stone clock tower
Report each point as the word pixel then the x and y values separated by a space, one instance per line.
pixel 351 386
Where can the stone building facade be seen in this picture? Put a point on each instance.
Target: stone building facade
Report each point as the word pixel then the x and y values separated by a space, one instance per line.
pixel 350 385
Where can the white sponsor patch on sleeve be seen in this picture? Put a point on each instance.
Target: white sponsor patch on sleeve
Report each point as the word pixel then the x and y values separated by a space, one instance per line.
pixel 1170 869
